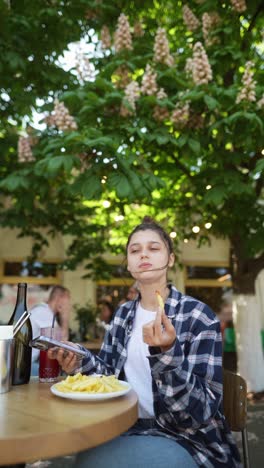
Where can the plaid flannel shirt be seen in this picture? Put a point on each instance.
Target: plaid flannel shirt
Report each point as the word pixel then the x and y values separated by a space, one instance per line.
pixel 186 380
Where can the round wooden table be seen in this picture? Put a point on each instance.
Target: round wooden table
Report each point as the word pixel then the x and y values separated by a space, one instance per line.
pixel 35 424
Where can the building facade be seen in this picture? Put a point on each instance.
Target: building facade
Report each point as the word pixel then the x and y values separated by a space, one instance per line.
pixel 201 272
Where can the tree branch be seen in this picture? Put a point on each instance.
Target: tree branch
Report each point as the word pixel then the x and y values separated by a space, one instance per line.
pixel 181 166
pixel 259 186
pixel 244 270
pixel 254 17
pixel 252 24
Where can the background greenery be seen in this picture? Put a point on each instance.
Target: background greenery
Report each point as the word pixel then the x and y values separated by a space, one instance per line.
pixel 136 164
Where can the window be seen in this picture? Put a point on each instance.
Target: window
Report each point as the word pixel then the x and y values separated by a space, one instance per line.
pixel 40 277
pixel 220 273
pixel 34 269
pixel 115 289
pixel 208 282
pixel 36 272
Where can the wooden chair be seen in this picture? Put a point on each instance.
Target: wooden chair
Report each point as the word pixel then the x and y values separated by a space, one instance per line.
pixel 235 407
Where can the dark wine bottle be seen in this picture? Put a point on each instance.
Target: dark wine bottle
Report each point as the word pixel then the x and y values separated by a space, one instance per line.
pixel 22 352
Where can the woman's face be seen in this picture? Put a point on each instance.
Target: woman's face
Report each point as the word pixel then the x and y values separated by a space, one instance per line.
pixel 148 256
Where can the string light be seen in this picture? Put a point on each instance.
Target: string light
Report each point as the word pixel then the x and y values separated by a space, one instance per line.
pixel 185 241
pixel 195 229
pixel 106 204
pixel 208 187
pixel 208 225
pixel 173 234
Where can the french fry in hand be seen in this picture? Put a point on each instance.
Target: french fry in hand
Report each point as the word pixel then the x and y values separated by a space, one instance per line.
pixel 160 300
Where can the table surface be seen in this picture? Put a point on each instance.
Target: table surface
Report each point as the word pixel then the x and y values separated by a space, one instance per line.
pixel 35 424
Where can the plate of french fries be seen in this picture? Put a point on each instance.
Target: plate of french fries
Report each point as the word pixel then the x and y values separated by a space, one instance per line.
pixel 90 387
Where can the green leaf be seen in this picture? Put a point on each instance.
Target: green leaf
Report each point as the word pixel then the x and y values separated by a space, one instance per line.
pixel 216 195
pixel 103 84
pixel 246 116
pixel 114 97
pixel 120 184
pixel 193 95
pixel 70 96
pixel 72 137
pixel 194 145
pixel 137 184
pixel 122 188
pixel 154 182
pixel 162 139
pixel 259 166
pixel 182 140
pixel 92 98
pixel 86 111
pixel 53 144
pixel 210 102
pixel 99 142
pixel 91 188
pixel 55 163
pixel 14 182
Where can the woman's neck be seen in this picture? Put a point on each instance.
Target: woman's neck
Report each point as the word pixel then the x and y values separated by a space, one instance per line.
pixel 148 295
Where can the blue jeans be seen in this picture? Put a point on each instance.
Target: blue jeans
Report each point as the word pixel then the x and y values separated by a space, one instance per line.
pixel 136 451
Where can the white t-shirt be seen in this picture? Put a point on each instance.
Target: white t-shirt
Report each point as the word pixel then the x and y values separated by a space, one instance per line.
pixel 137 369
pixel 41 317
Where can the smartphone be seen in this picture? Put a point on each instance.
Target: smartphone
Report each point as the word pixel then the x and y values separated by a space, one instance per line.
pixel 44 343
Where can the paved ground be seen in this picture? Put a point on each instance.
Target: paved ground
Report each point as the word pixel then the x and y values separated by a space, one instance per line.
pixel 255 436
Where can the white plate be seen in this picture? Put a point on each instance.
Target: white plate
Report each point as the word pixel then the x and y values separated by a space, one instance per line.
pixel 85 396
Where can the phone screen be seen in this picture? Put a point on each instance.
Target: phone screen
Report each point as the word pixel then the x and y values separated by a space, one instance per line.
pixel 44 343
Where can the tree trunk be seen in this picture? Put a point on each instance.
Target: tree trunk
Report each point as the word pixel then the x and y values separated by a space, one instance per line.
pixel 260 295
pixel 247 322
pixel 247 314
pixel 244 269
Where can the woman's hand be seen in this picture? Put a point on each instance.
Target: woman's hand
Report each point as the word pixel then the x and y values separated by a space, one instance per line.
pixel 160 332
pixel 66 359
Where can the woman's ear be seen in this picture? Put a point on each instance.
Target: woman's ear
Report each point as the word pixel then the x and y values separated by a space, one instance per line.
pixel 171 260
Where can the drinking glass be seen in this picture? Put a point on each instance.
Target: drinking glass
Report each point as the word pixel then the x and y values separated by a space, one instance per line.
pixel 49 369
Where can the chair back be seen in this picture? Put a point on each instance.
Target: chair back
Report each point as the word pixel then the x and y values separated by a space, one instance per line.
pixel 235 400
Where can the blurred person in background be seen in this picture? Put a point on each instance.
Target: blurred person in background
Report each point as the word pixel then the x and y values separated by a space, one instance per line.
pixel 55 312
pixel 228 333
pixel 132 293
pixel 106 314
pixel 106 311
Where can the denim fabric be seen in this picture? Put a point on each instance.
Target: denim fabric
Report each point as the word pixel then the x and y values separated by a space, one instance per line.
pixel 136 451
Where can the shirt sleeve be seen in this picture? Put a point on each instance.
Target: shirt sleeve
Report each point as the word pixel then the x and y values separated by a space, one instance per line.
pixel 190 385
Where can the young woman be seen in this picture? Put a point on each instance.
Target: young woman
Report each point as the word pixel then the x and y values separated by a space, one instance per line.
pixel 172 358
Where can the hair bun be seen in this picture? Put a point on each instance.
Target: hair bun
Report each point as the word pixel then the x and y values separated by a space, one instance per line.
pixel 148 220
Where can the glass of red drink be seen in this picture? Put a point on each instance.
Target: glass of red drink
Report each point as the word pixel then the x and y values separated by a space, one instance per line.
pixel 49 369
